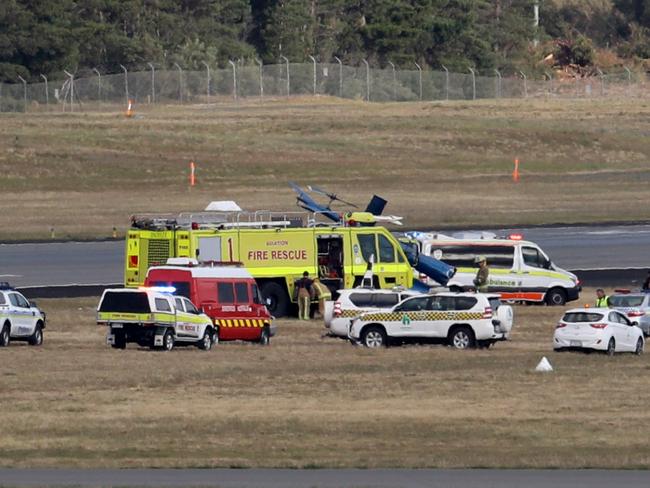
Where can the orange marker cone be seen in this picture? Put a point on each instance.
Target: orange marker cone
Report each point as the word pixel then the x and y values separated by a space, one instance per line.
pixel 192 176
pixel 515 173
pixel 129 109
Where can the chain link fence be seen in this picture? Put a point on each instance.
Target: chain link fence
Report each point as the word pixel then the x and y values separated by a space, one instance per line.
pixel 290 79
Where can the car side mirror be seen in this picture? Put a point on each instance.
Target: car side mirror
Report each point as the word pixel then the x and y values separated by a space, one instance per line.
pixel 33 304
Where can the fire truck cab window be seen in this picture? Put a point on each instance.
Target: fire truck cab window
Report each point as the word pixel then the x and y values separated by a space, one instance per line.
pixel 241 290
pixel 386 250
pixel 368 246
pixel 225 293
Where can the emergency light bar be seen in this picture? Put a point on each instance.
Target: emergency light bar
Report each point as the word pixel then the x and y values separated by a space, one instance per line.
pixel 161 289
pixel 516 237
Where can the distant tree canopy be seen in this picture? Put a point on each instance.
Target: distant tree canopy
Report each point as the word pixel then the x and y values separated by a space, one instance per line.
pixel 48 36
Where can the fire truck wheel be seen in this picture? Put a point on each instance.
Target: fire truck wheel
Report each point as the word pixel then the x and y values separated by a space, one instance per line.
pixel 265 337
pixel 36 339
pixel 206 342
pixel 278 300
pixel 4 335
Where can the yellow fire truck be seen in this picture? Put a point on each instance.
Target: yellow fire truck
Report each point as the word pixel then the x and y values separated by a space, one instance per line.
pixel 275 248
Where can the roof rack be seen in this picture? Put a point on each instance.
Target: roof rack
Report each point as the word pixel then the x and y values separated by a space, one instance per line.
pixel 259 219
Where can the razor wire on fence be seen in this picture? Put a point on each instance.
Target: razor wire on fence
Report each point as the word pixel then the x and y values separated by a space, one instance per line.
pixel 285 79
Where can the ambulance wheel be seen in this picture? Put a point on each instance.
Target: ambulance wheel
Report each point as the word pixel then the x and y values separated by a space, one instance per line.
pixel 36 339
pixel 278 299
pixel 168 341
pixel 207 341
pixel 5 337
pixel 555 296
pixel 265 337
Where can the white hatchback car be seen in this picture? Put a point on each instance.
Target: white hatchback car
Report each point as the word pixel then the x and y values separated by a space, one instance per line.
pixel 20 319
pixel 353 302
pixel 599 329
pixel 462 320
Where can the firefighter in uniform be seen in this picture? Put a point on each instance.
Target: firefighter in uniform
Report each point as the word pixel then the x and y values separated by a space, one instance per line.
pixel 322 295
pixel 481 280
pixel 602 300
pixel 304 292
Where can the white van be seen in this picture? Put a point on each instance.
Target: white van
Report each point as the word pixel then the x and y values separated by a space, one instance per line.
pixel 519 270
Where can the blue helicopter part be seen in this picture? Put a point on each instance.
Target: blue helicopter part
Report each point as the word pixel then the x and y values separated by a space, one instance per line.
pixel 420 287
pixel 309 204
pixel 431 267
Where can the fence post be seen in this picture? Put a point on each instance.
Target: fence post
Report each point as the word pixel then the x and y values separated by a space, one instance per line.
pixel 99 84
pixel 47 93
pixel 126 83
pixel 367 79
pixel 523 75
pixel 601 75
pixel 153 82
pixel 629 80
pixel 24 92
pixel 550 80
pixel 394 81
pixel 498 84
pixel 259 63
pixel 286 60
pixel 207 90
pixel 340 76
pixel 180 82
pixel 71 76
pixel 234 79
pixel 314 61
pixel 446 82
pixel 473 83
pixel 419 79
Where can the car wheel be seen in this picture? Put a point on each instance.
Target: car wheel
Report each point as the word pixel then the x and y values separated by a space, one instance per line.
pixel 374 337
pixel 639 347
pixel 462 338
pixel 555 297
pixel 611 347
pixel 36 339
pixel 168 341
pixel 5 337
pixel 120 340
pixel 206 342
pixel 265 337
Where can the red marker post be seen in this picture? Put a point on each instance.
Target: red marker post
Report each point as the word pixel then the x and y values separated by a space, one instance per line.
pixel 192 173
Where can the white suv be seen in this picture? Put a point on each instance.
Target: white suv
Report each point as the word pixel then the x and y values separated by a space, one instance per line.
pixel 353 302
pixel 463 320
pixel 19 319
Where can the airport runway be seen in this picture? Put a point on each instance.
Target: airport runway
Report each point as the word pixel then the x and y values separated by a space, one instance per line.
pixel 326 478
pixel 87 263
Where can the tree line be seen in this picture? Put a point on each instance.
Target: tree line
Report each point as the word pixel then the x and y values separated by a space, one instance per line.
pixel 48 36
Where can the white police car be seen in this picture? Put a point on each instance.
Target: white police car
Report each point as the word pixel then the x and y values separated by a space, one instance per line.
pixel 20 319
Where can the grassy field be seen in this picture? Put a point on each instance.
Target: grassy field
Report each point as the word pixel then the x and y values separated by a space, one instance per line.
pixel 439 164
pixel 308 401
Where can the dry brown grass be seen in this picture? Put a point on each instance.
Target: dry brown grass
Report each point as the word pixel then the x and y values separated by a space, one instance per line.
pixel 311 402
pixel 439 164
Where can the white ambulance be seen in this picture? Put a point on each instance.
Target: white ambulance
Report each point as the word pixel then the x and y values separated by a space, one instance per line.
pixel 519 269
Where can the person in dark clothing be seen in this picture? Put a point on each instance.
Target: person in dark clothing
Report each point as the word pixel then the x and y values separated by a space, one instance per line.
pixel 646 283
pixel 304 293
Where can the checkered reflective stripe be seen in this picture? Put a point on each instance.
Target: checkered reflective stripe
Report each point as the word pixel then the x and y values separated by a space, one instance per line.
pixel 350 313
pixel 241 323
pixel 428 315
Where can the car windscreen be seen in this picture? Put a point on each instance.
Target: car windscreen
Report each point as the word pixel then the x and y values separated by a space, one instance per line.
pixel 125 302
pixel 626 300
pixel 577 317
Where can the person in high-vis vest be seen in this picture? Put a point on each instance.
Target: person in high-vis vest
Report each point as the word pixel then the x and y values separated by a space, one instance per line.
pixel 322 295
pixel 602 300
pixel 482 275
